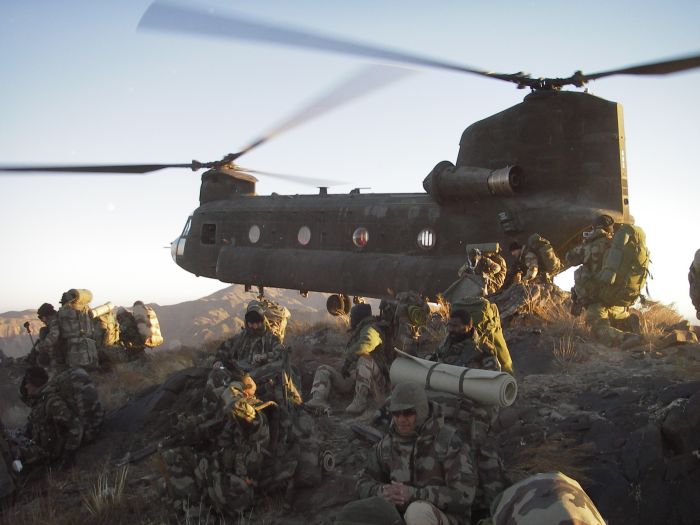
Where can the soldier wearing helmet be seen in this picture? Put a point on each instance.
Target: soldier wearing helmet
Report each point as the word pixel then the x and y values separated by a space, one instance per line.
pixel 479 264
pixel 605 320
pixel 50 348
pixel 421 466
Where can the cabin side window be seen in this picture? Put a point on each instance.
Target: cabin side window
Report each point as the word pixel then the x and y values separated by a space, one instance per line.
pixel 208 233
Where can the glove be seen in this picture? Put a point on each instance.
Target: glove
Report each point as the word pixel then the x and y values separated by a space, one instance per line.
pixel 243 410
pixel 345 371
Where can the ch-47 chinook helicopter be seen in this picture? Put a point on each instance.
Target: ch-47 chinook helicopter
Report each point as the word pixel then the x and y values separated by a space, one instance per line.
pixel 548 165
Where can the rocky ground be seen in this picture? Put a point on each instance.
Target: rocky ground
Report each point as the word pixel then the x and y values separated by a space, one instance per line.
pixel 625 424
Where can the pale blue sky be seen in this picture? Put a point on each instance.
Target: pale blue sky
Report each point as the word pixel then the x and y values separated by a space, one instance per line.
pixel 81 85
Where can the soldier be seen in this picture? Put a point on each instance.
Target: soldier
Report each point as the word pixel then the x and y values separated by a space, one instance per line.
pixel 256 349
pixel 526 267
pixel 129 335
pixel 54 428
pixel 587 288
pixel 421 466
pixel 404 316
pixel 492 272
pixel 694 280
pixel 220 464
pixel 7 477
pixel 365 351
pixel 51 347
pixel 463 348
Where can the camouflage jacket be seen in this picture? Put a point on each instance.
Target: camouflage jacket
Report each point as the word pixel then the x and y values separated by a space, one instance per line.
pixel 528 265
pixel 492 272
pixel 52 426
pixel 367 339
pixel 470 352
pixel 591 252
pixel 434 463
pixel 51 346
pixel 241 350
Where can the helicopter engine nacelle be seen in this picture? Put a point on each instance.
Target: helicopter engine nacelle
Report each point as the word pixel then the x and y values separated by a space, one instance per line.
pixel 447 182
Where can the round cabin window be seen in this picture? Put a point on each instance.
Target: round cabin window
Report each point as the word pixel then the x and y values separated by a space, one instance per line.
pixel 304 235
pixel 426 239
pixel 254 233
pixel 360 237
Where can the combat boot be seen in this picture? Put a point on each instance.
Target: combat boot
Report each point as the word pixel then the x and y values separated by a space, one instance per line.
pixel 319 399
pixel 360 401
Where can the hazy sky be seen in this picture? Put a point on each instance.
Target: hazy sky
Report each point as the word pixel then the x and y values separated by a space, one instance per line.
pixel 81 85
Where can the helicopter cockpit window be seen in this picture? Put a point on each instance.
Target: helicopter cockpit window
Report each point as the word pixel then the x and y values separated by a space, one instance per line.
pixel 426 238
pixel 208 233
pixel 254 234
pixel 304 235
pixel 186 229
pixel 360 237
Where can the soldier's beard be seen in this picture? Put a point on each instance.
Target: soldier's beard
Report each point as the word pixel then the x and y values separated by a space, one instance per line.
pixel 458 337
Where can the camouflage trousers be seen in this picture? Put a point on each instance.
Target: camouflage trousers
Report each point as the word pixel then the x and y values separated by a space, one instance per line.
pixel 600 317
pixel 368 373
pixel 473 422
pixel 195 483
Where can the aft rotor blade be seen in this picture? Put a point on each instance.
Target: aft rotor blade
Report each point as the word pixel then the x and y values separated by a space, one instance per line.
pixel 126 169
pixel 308 181
pixel 368 79
pixel 162 16
pixel 665 67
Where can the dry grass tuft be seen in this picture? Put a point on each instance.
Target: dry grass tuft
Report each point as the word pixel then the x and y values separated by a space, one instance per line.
pixel 565 353
pixel 656 317
pixel 107 493
pixel 556 453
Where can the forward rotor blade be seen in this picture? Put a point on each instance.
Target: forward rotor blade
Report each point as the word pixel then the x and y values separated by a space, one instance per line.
pixel 368 79
pixel 161 16
pixel 308 181
pixel 127 169
pixel 665 67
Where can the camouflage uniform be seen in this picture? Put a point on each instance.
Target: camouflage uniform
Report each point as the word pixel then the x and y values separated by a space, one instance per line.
pixel 129 336
pixel 434 463
pixel 544 498
pixel 492 272
pixel 51 347
pixel 599 317
pixel 220 467
pixel 528 267
pixel 55 430
pixel 7 479
pixel 694 281
pixel 365 351
pixel 473 419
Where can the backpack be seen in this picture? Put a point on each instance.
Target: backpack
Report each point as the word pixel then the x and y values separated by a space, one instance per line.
pixel 147 324
pixel 487 323
pixel 546 256
pixel 276 316
pixel 625 267
pixel 105 325
pixel 76 388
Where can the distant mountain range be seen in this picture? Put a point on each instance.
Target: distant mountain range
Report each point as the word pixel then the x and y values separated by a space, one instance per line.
pixel 191 323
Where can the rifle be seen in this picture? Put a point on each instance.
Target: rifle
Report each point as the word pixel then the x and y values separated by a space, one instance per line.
pixel 367 432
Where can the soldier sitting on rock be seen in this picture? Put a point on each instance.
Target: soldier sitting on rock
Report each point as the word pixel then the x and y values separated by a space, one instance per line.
pixel 420 469
pixel 365 353
pixel 218 462
pixel 462 348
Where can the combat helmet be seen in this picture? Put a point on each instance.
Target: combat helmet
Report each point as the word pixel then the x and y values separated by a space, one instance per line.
pixel 410 395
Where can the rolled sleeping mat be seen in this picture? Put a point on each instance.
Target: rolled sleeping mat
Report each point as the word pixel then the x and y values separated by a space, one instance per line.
pixel 101 310
pixel 483 386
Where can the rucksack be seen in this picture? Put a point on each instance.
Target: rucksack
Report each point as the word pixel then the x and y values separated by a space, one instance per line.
pixel 77 329
pixel 500 277
pixel 76 388
pixel 147 324
pixel 105 325
pixel 487 324
pixel 276 316
pixel 546 257
pixel 625 267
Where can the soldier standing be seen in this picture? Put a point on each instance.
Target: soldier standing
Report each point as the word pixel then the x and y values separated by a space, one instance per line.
pixel 365 351
pixel 421 466
pixel 526 267
pixel 463 348
pixel 51 347
pixel 600 316
pixel 694 281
